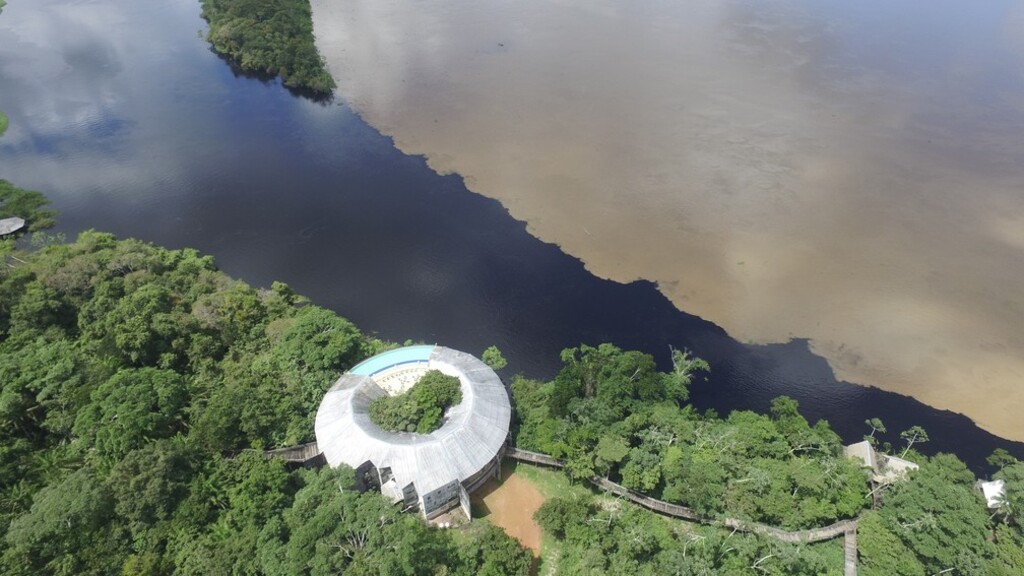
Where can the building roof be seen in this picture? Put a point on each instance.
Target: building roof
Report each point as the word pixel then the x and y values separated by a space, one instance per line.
pixel 10 225
pixel 864 452
pixel 884 468
pixel 472 434
pixel 992 491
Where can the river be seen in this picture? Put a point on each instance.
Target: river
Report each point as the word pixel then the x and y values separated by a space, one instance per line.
pixel 124 118
pixel 846 172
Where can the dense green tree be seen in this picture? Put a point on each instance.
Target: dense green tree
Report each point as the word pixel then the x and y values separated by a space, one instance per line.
pixel 317 345
pixel 559 516
pixel 1010 506
pixel 148 484
pixel 419 409
pixel 913 435
pixel 491 552
pixel 697 480
pixel 642 471
pixel 269 36
pixel 1000 458
pixel 945 524
pixel 44 386
pixel 138 387
pixel 610 451
pixel 493 358
pixel 132 407
pixel 596 417
pixel 882 553
pixel 1008 553
pixel 135 383
pixel 67 530
pixel 612 538
pixel 876 425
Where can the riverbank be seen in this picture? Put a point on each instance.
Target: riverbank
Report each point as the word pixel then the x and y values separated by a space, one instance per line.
pixel 761 189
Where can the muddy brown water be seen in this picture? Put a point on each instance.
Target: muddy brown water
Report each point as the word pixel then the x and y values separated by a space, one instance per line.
pixel 850 173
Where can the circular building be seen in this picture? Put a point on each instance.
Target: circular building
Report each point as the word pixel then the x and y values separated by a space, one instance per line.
pixel 432 472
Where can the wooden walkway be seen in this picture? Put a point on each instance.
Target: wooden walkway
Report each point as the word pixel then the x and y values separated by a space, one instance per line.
pixel 676 511
pixel 306 454
pixel 532 457
pixel 302 454
pixel 850 551
pixel 843 527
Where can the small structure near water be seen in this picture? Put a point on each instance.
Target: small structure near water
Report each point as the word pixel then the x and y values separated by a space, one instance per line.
pixel 11 225
pixel 993 491
pixel 434 472
pixel 885 469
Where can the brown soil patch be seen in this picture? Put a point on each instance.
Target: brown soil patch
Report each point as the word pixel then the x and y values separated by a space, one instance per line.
pixel 510 505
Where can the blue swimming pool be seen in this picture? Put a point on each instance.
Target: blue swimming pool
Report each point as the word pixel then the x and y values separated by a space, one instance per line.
pixel 386 360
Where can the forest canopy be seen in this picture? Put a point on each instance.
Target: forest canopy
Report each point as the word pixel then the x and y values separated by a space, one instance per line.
pixel 269 36
pixel 610 413
pixel 140 387
pixel 419 409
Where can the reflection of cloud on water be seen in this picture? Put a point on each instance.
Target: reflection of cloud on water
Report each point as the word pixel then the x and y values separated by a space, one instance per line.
pixel 850 154
pixel 85 84
pixel 64 63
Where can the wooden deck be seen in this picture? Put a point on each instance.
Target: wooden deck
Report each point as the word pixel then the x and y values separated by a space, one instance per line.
pixel 302 454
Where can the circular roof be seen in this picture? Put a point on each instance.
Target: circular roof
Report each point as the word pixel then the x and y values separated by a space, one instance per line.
pixel 473 431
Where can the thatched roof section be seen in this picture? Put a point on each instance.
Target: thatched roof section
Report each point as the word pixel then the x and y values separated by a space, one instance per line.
pixel 473 432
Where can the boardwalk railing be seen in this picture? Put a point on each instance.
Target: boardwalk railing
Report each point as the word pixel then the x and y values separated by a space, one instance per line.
pixel 533 457
pixel 676 511
pixel 301 454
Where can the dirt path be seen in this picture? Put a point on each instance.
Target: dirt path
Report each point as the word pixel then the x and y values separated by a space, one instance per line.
pixel 510 505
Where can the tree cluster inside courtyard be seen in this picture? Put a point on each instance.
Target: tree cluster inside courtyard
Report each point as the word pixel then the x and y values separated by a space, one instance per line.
pixel 419 409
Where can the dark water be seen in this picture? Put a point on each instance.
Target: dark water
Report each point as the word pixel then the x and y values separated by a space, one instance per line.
pixel 124 118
